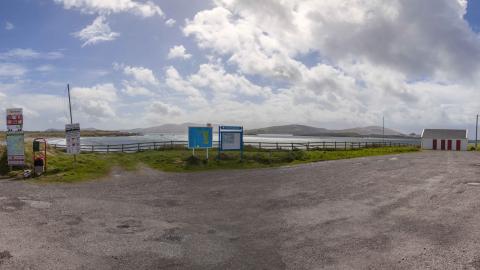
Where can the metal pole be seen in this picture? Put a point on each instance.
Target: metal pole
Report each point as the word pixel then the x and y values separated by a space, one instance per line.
pixel 71 118
pixel 476 134
pixel 383 128
pixel 69 103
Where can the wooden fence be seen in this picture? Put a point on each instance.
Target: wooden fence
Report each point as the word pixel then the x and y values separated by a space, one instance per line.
pixel 165 145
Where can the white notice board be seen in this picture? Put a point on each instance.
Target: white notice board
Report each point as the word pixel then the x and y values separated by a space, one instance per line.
pixel 72 132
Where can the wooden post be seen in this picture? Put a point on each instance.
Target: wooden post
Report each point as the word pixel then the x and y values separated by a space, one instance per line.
pixel 108 148
pixel 292 146
pixel 93 150
pixel 122 147
pixel 138 147
pixel 308 146
pixel 335 145
pixel 171 144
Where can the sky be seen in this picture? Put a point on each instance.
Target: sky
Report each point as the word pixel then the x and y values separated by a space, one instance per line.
pixel 330 63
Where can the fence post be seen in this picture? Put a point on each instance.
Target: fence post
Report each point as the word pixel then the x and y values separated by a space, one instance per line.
pixel 335 147
pixel 108 148
pixel 292 146
pixel 345 145
pixel 277 145
pixel 138 147
pixel 93 148
pixel 260 145
pixel 308 146
pixel 171 144
pixel 122 147
pixel 154 146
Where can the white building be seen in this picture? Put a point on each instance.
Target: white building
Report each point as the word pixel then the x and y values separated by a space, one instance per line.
pixel 445 139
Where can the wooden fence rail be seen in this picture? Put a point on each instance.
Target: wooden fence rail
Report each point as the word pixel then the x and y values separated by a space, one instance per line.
pixel 165 145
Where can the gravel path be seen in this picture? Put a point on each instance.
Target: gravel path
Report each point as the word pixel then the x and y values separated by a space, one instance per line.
pixel 411 211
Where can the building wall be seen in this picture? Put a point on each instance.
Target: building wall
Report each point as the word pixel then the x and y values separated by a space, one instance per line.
pixel 427 144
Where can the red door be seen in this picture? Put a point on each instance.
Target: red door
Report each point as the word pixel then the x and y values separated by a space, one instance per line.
pixel 443 144
pixel 434 144
pixel 459 145
pixel 449 145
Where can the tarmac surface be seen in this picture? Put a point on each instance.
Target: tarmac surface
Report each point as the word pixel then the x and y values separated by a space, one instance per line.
pixel 410 211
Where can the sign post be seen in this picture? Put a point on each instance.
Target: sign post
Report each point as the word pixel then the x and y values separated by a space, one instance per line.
pixel 15 137
pixel 230 138
pixel 200 138
pixel 72 132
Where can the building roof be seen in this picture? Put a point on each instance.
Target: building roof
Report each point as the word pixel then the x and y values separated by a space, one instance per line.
pixel 444 133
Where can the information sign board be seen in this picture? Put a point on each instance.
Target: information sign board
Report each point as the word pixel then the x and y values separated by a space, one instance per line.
pixel 200 137
pixel 72 132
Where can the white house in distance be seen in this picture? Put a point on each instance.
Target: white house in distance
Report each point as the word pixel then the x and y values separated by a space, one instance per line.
pixel 445 139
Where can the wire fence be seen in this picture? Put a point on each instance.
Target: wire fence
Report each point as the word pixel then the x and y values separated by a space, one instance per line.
pixel 168 145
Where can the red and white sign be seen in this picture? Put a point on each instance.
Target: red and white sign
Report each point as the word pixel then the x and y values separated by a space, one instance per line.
pixel 14 119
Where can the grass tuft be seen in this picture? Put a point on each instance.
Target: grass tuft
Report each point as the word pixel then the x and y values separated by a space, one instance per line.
pixel 61 167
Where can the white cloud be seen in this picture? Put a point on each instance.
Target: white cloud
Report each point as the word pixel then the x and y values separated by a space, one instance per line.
pixel 97 102
pixel 45 68
pixel 9 26
pixel 105 7
pixel 160 108
pixel 26 54
pixel 12 70
pixel 175 81
pixel 141 75
pixel 98 31
pixel 170 22
pixel 132 89
pixel 365 59
pixel 178 52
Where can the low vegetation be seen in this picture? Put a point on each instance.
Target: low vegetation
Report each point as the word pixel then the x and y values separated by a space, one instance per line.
pixel 61 134
pixel 61 167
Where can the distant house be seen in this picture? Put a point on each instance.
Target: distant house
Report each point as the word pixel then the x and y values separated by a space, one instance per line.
pixel 445 139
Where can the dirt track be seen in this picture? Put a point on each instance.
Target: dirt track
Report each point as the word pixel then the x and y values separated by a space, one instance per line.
pixel 412 211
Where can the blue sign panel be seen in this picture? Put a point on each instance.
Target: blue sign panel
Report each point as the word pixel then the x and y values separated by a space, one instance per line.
pixel 200 137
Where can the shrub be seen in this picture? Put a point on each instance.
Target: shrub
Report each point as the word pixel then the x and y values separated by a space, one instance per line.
pixel 193 161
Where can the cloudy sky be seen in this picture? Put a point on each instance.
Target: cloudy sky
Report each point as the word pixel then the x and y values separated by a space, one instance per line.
pixel 327 63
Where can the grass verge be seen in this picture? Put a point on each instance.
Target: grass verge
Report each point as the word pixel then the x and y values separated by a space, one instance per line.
pixel 61 167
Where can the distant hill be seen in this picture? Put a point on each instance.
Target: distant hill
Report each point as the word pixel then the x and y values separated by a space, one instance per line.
pixel 302 130
pixel 167 128
pixel 372 130
pixel 296 130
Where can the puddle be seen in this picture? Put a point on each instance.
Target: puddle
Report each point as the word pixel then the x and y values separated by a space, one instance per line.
pixel 37 204
pixel 394 158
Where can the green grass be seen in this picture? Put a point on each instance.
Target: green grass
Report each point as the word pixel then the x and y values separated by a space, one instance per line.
pixel 61 167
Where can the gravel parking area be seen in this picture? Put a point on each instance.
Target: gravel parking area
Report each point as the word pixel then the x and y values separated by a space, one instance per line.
pixel 410 211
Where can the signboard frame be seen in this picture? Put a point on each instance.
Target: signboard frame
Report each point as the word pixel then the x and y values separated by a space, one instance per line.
pixel 15 148
pixel 230 130
pixel 72 138
pixel 194 137
pixel 15 138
